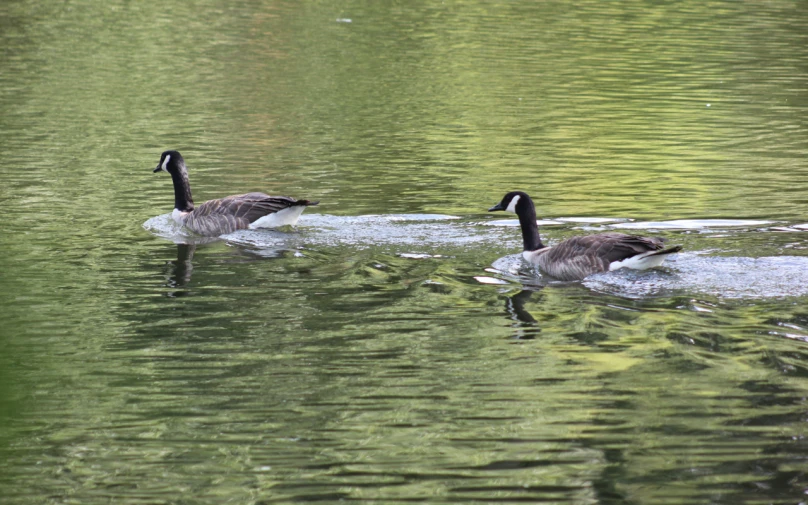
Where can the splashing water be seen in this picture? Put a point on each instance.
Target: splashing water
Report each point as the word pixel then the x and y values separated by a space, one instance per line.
pixel 685 273
pixel 417 236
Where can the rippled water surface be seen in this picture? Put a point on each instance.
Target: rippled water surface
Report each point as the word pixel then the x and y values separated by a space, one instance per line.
pixel 393 348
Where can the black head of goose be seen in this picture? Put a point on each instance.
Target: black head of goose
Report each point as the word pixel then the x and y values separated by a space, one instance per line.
pixel 226 215
pixel 577 257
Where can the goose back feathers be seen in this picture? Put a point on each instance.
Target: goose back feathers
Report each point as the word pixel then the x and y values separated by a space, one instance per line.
pixel 226 215
pixel 578 257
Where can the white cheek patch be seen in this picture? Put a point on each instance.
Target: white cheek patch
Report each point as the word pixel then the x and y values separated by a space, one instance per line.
pixel 512 205
pixel 165 162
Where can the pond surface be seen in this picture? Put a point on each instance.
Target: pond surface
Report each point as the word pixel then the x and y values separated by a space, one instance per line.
pixel 393 348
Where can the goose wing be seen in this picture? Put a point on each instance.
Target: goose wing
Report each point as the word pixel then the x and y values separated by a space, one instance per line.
pixel 578 257
pixel 249 206
pixel 619 246
pixel 226 215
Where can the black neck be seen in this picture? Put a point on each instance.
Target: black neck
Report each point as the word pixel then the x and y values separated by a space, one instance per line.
pixel 182 191
pixel 530 230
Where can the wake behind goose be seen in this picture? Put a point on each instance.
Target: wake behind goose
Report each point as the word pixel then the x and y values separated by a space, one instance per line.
pixel 723 277
pixel 686 274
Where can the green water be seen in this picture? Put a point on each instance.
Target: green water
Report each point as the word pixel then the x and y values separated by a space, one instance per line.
pixel 391 350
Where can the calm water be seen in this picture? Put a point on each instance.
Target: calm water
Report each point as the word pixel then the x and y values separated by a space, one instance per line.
pixel 392 348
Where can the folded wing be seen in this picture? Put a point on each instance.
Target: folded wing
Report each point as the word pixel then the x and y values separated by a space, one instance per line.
pixel 579 257
pixel 226 215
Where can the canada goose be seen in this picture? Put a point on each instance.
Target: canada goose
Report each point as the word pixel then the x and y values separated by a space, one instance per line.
pixel 577 257
pixel 226 215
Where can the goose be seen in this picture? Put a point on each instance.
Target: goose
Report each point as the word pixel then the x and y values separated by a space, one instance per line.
pixel 577 257
pixel 226 215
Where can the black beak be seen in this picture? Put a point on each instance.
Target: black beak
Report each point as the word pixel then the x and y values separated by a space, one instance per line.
pixel 496 207
pixel 158 169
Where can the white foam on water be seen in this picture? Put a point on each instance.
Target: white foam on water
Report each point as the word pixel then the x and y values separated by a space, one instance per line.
pixel 515 222
pixel 690 224
pixel 418 217
pixel 592 220
pixel 165 227
pixel 407 230
pixel 793 228
pixel 483 279
pixel 726 277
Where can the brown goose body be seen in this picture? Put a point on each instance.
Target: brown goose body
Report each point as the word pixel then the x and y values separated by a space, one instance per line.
pixel 226 215
pixel 238 212
pixel 578 257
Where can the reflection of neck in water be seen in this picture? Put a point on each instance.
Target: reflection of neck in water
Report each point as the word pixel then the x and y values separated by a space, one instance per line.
pixel 515 305
pixel 183 267
pixel 525 324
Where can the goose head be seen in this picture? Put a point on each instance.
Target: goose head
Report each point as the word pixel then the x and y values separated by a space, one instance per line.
pixel 171 162
pixel 520 204
pixel 516 201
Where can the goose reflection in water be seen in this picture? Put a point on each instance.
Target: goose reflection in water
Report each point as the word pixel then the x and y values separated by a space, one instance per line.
pixel 179 272
pixel 525 324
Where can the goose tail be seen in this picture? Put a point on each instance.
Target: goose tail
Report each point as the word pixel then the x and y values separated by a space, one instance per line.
pixel 669 250
pixel 306 203
pixel 646 260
